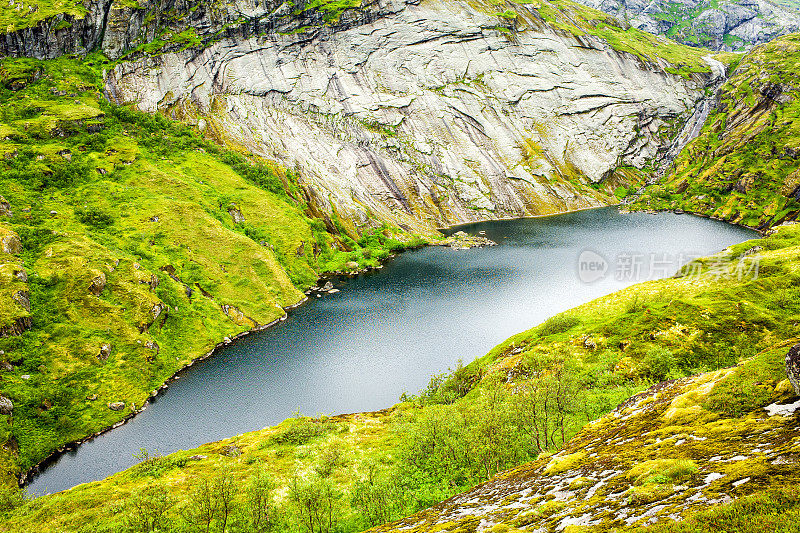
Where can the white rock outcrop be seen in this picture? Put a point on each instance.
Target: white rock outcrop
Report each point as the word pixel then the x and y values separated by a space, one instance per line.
pixel 428 115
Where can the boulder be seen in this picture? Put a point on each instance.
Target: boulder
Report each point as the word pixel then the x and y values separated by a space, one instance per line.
pixel 105 351
pixel 235 214
pixel 98 283
pixel 793 367
pixel 23 298
pixel 116 406
pixel 5 208
pixel 9 242
pixel 6 406
pixel 152 345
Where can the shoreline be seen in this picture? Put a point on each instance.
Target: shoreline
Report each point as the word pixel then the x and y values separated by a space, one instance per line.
pixel 527 217
pixel 28 476
pixel 762 232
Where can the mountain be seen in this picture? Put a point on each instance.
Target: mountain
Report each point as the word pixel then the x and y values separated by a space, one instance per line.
pixel 175 174
pixel 743 166
pixel 727 25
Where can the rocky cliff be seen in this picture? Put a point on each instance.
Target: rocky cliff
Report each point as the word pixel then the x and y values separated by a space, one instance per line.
pixel 429 113
pixel 729 25
pixel 744 166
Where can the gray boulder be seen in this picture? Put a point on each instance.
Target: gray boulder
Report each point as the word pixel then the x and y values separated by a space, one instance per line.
pixel 116 406
pixel 793 367
pixel 105 351
pixel 23 298
pixel 236 214
pixel 5 208
pixel 6 406
pixel 98 283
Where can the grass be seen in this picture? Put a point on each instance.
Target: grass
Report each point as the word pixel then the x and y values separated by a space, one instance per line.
pixel 776 509
pixel 29 13
pixel 741 167
pixel 143 205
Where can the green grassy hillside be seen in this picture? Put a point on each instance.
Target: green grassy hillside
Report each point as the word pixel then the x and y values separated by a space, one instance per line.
pixel 524 400
pixel 744 165
pixel 131 247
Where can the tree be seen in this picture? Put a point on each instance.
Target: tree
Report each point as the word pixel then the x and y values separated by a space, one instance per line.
pixel 259 502
pixel 202 507
pixel 146 511
pixel 314 501
pixel 378 498
pixel 224 492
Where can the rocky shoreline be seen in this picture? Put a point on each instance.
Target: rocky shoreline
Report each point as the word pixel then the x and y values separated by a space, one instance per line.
pixel 759 230
pixel 458 241
pixel 464 241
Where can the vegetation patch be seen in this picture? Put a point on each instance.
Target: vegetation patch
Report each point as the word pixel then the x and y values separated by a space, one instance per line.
pixel 743 167
pixel 141 246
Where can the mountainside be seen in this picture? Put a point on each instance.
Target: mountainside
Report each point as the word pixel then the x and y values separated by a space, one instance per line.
pixel 175 174
pixel 744 166
pixel 440 112
pixel 651 459
pixel 413 113
pixel 662 456
pixel 728 25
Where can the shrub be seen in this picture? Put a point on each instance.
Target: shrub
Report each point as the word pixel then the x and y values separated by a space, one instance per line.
pixel 94 218
pixel 558 324
pixel 146 511
pixel 301 430
pixel 659 363
pixel 660 471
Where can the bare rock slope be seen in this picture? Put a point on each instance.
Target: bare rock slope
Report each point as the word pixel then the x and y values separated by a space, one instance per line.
pixel 426 114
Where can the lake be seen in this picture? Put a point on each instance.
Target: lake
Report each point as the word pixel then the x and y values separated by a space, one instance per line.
pixel 387 332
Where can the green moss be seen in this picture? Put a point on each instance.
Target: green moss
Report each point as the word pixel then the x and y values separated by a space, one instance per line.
pixel 660 471
pixel 740 168
pixel 27 14
pixel 563 463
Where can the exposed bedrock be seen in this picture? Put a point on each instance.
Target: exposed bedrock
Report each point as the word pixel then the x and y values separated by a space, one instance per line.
pixel 425 115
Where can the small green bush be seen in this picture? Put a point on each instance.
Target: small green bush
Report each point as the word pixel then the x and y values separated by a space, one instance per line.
pixel 558 324
pixel 659 363
pixel 94 218
pixel 301 430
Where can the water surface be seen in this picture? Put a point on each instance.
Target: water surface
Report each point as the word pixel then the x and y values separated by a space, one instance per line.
pixel 386 333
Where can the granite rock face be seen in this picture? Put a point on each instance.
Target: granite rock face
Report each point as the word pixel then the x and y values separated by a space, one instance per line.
pixel 427 114
pixel 793 367
pixel 726 25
